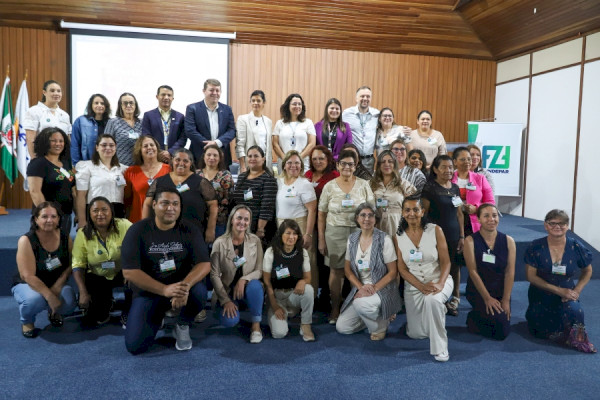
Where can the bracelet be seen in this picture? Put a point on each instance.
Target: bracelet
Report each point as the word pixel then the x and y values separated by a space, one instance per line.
pixel 260 230
pixel 309 234
pixel 461 237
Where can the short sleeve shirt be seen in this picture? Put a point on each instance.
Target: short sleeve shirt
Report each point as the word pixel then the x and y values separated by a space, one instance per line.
pixel 56 185
pixel 41 116
pixel 146 247
pixel 291 199
pixel 334 202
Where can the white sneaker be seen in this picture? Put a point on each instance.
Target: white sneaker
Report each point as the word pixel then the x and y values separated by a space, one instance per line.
pixel 256 337
pixel 442 357
pixel 201 317
pixel 183 341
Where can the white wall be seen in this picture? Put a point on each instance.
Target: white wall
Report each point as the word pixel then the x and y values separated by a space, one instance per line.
pixel 554 110
pixel 552 142
pixel 587 216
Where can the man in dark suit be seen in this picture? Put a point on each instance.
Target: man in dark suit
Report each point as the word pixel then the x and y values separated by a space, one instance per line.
pixel 210 122
pixel 165 124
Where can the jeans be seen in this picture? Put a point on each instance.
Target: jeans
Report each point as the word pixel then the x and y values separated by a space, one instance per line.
pixel 254 296
pixel 147 312
pixel 31 303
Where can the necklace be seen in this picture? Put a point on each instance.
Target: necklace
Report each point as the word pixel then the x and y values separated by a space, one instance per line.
pixel 289 255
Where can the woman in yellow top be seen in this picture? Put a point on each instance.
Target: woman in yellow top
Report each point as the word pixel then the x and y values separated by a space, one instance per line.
pixel 97 262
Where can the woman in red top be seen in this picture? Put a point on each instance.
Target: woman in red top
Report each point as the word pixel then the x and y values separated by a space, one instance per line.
pixel 322 170
pixel 140 176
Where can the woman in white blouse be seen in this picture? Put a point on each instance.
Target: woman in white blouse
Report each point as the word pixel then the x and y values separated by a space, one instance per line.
pixel 254 129
pixel 100 176
pixel 294 131
pixel 296 199
pixel 46 114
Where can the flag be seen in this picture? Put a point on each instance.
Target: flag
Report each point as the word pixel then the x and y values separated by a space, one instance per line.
pixel 9 162
pixel 20 137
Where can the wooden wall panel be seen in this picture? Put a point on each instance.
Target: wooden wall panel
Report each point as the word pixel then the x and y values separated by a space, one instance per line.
pixel 43 53
pixel 454 90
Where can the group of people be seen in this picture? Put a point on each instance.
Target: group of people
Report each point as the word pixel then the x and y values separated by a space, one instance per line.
pixel 359 200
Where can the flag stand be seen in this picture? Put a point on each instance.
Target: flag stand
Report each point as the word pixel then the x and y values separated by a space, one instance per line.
pixel 2 208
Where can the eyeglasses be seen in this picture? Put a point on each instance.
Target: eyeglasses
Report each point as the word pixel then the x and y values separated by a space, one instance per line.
pixel 344 164
pixel 366 215
pixel 555 224
pixel 129 103
pixel 398 150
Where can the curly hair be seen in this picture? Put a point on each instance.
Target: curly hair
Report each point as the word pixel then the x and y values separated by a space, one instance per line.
pixel 330 162
pixel 286 114
pixel 41 145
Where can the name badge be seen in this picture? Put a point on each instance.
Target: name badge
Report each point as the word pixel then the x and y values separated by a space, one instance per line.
pixel 108 265
pixel 431 141
pixel 382 142
pixel 248 194
pixel 52 263
pixel 470 186
pixel 363 265
pixel 382 203
pixel 415 256
pixel 133 135
pixel 183 188
pixel 120 180
pixel 167 264
pixel 406 139
pixel 489 258
pixel 282 272
pixel 347 203
pixel 239 261
pixel 293 142
pixel 456 201
pixel 290 193
pixel 559 269
pixel 65 173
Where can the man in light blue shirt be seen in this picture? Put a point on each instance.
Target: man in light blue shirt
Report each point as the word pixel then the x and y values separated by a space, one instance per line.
pixel 363 123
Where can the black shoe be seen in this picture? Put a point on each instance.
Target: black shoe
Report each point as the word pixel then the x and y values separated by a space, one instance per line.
pixel 32 333
pixel 56 320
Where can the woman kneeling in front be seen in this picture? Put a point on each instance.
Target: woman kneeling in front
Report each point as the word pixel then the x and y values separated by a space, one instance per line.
pixel 424 264
pixel 371 269
pixel 286 274
pixel 235 272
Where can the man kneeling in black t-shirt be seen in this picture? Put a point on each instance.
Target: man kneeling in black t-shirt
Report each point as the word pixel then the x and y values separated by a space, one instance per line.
pixel 165 260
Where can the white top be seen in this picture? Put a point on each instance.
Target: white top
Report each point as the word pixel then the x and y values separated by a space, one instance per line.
pixel 260 130
pixel 389 255
pixel 428 268
pixel 294 136
pixel 100 181
pixel 291 199
pixel 213 119
pixel 41 116
pixel 268 261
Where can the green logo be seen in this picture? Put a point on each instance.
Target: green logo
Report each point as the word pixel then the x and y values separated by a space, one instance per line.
pixel 496 157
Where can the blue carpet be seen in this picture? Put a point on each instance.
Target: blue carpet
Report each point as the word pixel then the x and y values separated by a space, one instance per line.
pixel 68 363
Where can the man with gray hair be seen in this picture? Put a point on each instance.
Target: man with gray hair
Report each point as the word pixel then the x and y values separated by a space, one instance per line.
pixel 363 122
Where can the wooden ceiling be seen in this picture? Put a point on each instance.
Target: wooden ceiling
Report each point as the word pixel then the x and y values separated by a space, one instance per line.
pixel 483 29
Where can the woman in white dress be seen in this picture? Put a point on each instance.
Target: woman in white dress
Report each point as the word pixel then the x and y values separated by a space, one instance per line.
pixel 424 264
pixel 294 131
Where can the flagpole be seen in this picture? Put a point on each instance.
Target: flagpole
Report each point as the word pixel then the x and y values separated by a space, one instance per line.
pixel 2 208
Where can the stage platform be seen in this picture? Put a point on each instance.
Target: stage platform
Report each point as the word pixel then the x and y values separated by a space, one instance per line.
pixel 12 226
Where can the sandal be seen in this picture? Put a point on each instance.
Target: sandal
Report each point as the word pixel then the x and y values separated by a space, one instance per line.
pixel 31 333
pixel 56 320
pixel 452 307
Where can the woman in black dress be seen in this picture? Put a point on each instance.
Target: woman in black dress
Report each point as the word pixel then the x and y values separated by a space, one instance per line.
pixel 442 202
